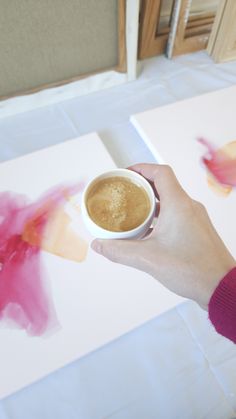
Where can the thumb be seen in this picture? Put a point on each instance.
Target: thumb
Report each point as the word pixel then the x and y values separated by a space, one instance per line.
pixel 126 252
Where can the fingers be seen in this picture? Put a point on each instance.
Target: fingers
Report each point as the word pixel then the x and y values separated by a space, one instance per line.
pixel 119 251
pixel 163 177
pixel 148 233
pixel 148 171
pixel 145 169
pixel 157 210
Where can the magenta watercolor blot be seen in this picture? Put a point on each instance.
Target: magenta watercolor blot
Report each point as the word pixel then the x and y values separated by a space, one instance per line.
pixel 24 296
pixel 221 163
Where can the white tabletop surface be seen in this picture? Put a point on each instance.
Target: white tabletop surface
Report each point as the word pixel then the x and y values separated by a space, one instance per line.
pixel 175 366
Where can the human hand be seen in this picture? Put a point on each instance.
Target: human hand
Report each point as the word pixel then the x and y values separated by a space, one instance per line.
pixel 184 251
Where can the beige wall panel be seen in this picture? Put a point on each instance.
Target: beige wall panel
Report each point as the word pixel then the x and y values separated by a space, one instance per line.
pixel 48 41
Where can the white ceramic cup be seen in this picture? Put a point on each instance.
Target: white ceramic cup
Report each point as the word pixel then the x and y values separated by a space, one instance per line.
pixel 137 232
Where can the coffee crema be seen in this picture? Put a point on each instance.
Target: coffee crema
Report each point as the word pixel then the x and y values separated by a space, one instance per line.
pixel 117 204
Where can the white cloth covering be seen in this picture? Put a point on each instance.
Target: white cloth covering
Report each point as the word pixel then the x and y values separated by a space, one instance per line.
pixel 175 366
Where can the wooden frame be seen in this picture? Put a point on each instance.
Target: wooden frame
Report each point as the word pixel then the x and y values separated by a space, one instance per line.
pixel 188 34
pixel 222 42
pixel 121 66
pixel 153 43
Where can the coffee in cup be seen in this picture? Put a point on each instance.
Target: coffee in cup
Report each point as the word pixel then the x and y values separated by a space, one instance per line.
pixel 117 204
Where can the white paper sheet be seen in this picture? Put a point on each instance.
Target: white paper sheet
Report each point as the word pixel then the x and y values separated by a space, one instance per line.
pixel 171 133
pixel 96 301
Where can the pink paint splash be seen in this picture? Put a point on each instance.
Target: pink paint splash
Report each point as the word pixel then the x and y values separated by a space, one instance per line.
pixel 221 163
pixel 24 299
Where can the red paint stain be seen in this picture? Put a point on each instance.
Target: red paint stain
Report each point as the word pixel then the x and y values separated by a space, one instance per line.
pixel 24 299
pixel 221 163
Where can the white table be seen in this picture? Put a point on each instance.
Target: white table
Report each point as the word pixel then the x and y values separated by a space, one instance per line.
pixel 175 366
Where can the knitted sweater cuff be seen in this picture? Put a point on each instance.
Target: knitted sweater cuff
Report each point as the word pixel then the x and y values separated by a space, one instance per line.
pixel 222 306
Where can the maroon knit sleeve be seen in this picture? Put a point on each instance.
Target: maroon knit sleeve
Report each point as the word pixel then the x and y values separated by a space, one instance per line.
pixel 222 306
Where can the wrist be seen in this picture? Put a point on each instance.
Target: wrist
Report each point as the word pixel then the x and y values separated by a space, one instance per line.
pixel 214 278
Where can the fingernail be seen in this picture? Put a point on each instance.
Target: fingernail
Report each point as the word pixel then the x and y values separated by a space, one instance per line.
pixel 96 246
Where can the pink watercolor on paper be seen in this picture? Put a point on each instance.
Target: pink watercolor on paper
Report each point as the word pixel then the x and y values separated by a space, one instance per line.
pixel 24 292
pixel 221 164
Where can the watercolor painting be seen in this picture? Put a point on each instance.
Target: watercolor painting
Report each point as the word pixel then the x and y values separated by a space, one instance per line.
pixel 27 229
pixel 221 166
pixel 64 301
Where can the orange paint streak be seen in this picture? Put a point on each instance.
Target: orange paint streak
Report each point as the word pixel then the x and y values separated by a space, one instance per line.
pixel 221 167
pixel 60 239
pixel 50 229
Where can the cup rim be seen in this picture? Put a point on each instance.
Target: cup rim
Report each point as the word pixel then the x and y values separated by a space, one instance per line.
pixel 119 172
